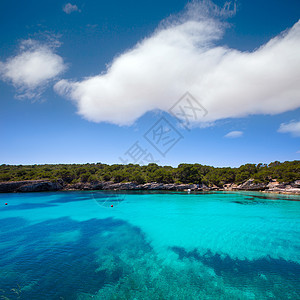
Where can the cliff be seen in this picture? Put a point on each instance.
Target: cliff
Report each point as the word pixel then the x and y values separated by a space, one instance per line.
pixel 30 186
pixel 46 185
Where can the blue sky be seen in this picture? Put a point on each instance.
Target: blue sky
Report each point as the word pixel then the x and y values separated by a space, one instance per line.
pixel 85 82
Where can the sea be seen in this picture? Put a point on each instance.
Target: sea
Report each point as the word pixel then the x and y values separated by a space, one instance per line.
pixel 149 245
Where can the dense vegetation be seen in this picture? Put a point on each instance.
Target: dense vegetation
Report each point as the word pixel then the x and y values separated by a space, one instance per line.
pixel 184 173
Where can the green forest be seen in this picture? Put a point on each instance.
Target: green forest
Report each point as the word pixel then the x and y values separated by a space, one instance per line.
pixel 185 173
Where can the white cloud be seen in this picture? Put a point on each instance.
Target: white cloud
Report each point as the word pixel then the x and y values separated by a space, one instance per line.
pixel 35 65
pixel 292 127
pixel 234 134
pixel 69 8
pixel 298 152
pixel 181 56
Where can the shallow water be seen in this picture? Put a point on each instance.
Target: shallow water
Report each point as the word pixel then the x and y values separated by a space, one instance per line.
pixel 221 245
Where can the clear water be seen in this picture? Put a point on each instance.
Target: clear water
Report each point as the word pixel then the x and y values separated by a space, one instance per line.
pixel 74 245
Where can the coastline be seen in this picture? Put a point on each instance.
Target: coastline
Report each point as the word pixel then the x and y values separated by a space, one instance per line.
pixel 59 185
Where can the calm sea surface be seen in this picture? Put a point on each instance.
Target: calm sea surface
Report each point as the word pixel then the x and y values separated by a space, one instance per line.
pixel 222 245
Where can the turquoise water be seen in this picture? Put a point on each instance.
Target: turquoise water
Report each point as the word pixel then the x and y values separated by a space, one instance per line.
pixel 74 245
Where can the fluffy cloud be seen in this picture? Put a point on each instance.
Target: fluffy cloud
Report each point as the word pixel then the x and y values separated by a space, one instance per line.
pixel 32 68
pixel 181 55
pixel 292 127
pixel 234 134
pixel 69 8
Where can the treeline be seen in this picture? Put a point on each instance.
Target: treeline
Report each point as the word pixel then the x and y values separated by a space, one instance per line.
pixel 185 173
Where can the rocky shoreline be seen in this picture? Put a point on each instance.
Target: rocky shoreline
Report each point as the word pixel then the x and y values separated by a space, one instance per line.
pixel 59 185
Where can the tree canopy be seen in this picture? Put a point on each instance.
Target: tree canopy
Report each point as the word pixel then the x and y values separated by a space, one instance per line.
pixel 185 173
